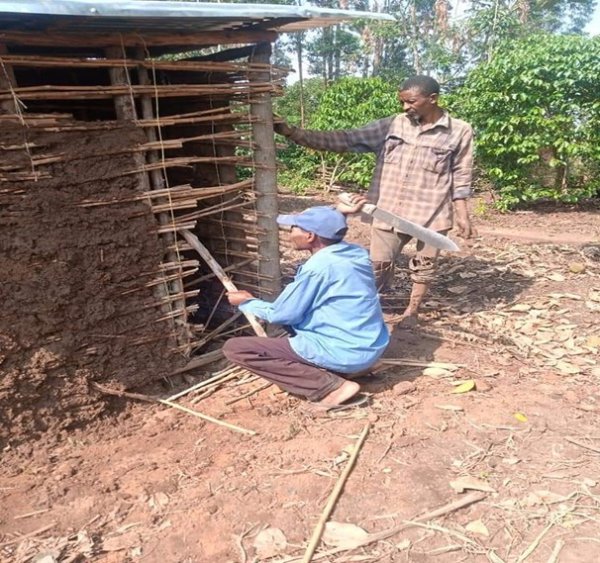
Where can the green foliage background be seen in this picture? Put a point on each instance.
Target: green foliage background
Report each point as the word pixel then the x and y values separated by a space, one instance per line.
pixel 534 105
pixel 535 108
pixel 348 103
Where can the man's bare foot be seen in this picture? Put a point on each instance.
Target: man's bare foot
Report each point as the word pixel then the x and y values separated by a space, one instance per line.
pixel 345 391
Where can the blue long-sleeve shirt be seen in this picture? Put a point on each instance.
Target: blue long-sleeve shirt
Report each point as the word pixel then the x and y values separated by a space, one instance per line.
pixel 334 309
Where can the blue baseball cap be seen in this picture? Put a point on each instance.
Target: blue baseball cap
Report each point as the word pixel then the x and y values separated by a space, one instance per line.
pixel 326 222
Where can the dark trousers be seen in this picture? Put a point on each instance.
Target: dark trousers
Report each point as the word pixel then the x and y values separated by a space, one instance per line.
pixel 274 360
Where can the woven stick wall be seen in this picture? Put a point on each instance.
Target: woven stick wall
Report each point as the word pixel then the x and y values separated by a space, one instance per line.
pixel 200 158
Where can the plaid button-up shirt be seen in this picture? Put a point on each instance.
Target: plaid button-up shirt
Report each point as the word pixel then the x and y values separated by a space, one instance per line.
pixel 420 169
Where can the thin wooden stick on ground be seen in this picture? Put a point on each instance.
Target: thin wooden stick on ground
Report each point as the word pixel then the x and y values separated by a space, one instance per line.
pixel 248 394
pixel 417 363
pixel 582 445
pixel 29 535
pixel 221 378
pixel 467 500
pixel 535 543
pixel 333 497
pixel 148 399
pixel 29 514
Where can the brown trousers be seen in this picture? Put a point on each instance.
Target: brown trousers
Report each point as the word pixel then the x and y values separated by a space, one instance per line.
pixel 386 245
pixel 274 360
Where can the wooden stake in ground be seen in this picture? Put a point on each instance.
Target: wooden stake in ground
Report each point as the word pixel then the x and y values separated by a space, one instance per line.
pixel 193 240
pixel 333 497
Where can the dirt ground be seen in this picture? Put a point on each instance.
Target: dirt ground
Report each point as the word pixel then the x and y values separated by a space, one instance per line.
pixel 512 318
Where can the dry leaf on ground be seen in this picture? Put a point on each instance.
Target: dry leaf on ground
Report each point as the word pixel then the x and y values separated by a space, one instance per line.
pixel 341 534
pixel 477 527
pixel 269 542
pixel 465 387
pixel 437 373
pixel 542 497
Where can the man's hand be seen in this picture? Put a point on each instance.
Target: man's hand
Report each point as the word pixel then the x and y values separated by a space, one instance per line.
pixel 238 297
pixel 282 127
pixel 463 222
pixel 350 203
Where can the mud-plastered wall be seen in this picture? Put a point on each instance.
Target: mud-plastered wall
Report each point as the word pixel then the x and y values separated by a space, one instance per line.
pixel 77 299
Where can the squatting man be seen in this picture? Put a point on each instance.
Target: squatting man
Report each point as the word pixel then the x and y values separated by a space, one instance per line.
pixel 423 174
pixel 331 311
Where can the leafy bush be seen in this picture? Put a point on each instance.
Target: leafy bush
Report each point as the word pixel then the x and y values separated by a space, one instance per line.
pixel 536 112
pixel 348 103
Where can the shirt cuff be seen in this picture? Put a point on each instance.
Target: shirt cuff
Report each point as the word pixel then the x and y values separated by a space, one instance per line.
pixel 248 306
pixel 462 193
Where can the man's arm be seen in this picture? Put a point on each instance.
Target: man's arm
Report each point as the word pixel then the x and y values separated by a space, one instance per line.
pixel 369 138
pixel 289 308
pixel 462 175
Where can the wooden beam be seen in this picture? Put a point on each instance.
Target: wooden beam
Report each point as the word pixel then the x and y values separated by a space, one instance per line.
pixel 146 40
pixel 209 63
pixel 266 180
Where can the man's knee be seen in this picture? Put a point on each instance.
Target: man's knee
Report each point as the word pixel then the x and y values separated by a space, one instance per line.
pixel 234 348
pixel 422 269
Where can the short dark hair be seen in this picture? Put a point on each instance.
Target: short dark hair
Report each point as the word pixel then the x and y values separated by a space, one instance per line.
pixel 425 84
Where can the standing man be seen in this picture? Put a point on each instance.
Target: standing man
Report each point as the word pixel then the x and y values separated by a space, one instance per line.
pixel 331 309
pixel 423 174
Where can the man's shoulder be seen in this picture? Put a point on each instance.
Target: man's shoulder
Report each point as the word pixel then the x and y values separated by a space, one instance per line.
pixel 460 124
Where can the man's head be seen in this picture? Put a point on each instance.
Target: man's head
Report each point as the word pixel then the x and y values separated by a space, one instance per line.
pixel 315 228
pixel 419 96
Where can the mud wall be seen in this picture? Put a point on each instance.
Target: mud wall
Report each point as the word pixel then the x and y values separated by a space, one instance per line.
pixel 76 304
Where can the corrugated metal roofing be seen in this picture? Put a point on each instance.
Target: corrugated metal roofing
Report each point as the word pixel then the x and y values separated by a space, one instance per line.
pixel 149 16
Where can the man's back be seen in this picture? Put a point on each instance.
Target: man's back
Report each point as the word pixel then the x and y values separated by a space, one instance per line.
pixel 343 330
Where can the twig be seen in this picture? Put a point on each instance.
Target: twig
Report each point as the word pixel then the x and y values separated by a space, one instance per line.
pixel 29 514
pixel 582 445
pixel 556 551
pixel 418 363
pixel 249 394
pixel 29 535
pixel 442 511
pixel 209 418
pixel 220 273
pixel 333 497
pixel 206 383
pixel 199 361
pixel 534 544
pixel 168 403
pixel 448 531
pixel 446 549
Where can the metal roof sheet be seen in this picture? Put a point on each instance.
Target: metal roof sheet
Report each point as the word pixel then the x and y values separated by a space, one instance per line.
pixel 164 16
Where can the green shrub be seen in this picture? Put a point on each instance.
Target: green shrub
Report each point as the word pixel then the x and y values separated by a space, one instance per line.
pixel 536 112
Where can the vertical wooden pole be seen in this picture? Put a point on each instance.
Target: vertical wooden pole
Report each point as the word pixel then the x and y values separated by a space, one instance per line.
pixel 125 107
pixel 126 111
pixel 265 179
pixel 7 81
pixel 157 182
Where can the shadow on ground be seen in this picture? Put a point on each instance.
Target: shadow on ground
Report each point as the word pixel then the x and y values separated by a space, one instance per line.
pixel 465 286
